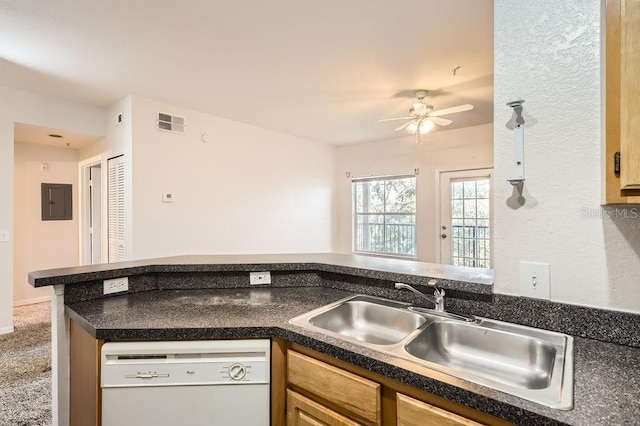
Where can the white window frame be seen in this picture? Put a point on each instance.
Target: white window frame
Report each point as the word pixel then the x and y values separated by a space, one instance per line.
pixel 355 214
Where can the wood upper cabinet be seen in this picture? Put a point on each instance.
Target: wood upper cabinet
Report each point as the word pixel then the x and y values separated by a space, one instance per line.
pixel 411 412
pixel 623 101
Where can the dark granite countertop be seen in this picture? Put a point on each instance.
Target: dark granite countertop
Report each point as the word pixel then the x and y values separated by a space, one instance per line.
pixel 607 380
pixel 471 280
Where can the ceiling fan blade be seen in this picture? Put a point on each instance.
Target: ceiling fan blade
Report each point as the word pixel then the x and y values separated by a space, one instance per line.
pixel 440 121
pixel 394 119
pixel 404 125
pixel 452 110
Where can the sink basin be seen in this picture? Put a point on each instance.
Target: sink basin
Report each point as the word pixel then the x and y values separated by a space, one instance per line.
pixel 369 322
pixel 513 359
pixel 529 363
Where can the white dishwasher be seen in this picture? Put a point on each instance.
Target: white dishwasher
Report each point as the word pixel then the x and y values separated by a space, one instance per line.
pixel 222 382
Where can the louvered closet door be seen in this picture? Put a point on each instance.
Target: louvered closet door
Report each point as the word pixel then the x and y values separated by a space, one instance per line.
pixel 117 245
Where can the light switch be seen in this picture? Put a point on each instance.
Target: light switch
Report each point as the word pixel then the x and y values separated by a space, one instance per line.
pixel 535 280
pixel 4 235
pixel 167 197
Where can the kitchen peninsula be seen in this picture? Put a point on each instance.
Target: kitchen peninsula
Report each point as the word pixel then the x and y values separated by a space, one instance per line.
pixel 209 297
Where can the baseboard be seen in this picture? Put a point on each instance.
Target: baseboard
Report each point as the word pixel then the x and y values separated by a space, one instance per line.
pixel 6 330
pixel 32 301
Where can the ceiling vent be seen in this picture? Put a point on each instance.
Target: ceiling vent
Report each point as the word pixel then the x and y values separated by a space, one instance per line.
pixel 170 123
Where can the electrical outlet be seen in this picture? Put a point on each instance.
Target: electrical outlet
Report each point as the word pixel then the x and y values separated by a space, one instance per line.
pixel 116 285
pixel 4 235
pixel 535 280
pixel 257 278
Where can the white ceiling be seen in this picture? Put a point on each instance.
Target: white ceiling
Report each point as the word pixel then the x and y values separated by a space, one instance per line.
pixel 27 133
pixel 324 70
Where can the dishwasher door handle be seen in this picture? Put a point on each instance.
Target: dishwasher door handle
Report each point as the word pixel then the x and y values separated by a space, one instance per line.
pixel 145 376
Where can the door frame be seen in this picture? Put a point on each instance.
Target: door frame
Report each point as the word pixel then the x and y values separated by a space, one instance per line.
pixel 84 242
pixel 438 202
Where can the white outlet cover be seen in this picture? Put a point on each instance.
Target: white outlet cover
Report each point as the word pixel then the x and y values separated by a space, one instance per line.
pixel 4 235
pixel 535 280
pixel 257 278
pixel 116 285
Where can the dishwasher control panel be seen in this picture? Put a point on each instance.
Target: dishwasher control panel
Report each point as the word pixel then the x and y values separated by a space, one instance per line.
pixel 136 364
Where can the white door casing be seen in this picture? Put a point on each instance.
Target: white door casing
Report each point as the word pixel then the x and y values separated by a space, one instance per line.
pixel 465 218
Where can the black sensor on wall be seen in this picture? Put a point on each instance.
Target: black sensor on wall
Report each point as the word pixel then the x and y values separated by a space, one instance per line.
pixel 56 201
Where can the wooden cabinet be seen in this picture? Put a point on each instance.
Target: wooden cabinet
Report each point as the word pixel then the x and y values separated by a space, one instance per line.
pixel 303 411
pixel 411 412
pixel 321 390
pixel 350 393
pixel 623 101
pixel 84 377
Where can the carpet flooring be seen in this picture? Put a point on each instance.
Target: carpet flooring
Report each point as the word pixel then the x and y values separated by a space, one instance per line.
pixel 25 368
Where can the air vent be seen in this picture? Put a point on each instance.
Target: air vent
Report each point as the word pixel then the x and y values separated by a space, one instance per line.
pixel 170 123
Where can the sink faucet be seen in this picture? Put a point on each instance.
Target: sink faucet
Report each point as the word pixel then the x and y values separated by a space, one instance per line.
pixel 437 298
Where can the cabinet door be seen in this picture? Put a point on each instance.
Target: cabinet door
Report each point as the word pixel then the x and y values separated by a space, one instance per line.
pixel 622 103
pixel 412 412
pixel 302 411
pixel 350 392
pixel 630 94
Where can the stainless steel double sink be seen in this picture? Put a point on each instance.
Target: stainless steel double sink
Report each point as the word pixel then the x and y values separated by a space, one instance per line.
pixel 530 363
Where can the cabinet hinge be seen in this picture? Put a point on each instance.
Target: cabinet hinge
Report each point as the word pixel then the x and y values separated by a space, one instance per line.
pixel 616 163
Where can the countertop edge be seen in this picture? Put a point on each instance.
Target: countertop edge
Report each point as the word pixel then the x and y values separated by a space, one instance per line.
pixel 472 280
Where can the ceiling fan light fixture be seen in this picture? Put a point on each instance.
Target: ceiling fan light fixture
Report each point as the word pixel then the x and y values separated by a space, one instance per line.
pixel 426 126
pixel 413 127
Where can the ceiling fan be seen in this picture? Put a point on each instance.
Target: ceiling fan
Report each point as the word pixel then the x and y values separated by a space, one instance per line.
pixel 422 118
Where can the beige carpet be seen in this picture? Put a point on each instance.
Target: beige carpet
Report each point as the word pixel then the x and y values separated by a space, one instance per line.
pixel 25 368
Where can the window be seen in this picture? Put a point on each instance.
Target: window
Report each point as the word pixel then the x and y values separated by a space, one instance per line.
pixel 385 215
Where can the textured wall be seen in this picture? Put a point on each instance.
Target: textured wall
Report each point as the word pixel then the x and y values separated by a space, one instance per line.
pixel 549 53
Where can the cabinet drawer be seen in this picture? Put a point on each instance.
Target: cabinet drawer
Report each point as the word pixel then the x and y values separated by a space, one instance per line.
pixel 412 412
pixel 346 390
pixel 302 411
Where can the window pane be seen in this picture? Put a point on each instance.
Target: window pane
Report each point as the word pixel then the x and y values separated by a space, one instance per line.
pixel 483 208
pixel 470 189
pixel 401 195
pixel 469 208
pixel 369 197
pixel 482 188
pixel 400 234
pixel 457 209
pixel 358 203
pixel 369 232
pixel 456 190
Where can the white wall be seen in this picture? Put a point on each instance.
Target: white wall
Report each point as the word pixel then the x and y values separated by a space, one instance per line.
pixel 41 244
pixel 117 141
pixel 24 107
pixel 550 54
pixel 440 151
pixel 248 190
